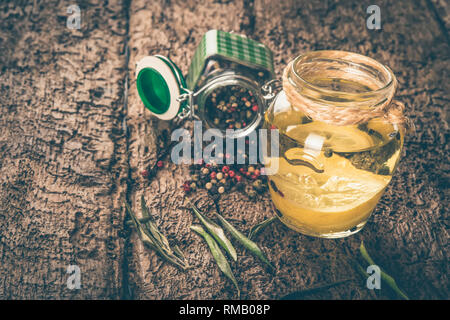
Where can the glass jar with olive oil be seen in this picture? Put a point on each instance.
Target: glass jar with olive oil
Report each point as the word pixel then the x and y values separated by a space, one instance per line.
pixel 339 144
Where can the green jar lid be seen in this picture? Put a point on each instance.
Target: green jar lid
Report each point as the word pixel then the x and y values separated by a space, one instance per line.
pixel 159 83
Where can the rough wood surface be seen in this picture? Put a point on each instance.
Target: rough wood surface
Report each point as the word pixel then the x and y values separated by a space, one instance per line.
pixel 66 162
pixel 62 149
pixel 407 234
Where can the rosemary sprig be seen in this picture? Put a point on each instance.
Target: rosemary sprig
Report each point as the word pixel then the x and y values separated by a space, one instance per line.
pixel 246 242
pixel 152 228
pixel 218 255
pixel 154 239
pixel 258 228
pixel 384 276
pixel 217 232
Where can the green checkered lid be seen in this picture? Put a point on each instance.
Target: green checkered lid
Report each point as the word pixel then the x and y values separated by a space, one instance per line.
pixel 231 47
pixel 159 83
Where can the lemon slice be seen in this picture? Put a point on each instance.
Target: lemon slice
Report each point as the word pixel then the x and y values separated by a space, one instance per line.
pixel 333 201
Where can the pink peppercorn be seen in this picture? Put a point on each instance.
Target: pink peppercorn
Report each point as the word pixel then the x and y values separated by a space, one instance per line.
pixel 186 187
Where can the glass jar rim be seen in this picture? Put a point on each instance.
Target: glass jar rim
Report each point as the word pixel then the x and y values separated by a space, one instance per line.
pixel 230 78
pixel 348 58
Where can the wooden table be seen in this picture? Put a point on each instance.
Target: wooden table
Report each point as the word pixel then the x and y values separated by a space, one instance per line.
pixel 74 137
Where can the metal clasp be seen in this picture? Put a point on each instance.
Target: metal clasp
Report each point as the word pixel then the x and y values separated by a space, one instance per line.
pixel 189 96
pixel 188 111
pixel 269 88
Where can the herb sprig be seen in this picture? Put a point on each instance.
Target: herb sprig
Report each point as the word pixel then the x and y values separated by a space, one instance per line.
pixel 151 237
pixel 218 255
pixel 390 281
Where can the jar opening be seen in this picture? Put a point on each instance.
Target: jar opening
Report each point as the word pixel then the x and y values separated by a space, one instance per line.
pixel 340 76
pixel 231 102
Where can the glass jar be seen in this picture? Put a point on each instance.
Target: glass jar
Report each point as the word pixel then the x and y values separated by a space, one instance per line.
pixel 222 87
pixel 338 148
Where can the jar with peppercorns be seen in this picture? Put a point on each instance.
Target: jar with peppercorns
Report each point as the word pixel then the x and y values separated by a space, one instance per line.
pixel 222 88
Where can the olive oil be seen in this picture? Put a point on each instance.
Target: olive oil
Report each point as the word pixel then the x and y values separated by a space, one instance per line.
pixel 329 177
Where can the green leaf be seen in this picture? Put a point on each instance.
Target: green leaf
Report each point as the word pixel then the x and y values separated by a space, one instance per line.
pixel 216 232
pixel 257 229
pixel 246 242
pixel 384 276
pixel 220 258
pixel 152 238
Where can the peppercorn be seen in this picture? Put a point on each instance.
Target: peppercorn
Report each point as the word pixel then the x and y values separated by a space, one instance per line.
pixel 144 173
pixel 219 176
pixel 160 164
pixel 213 175
pixel 258 185
pixel 221 190
pixel 235 104
pixel 186 187
pixel 205 171
pixel 208 186
pixel 193 186
pixel 225 169
pixel 251 193
pixel 328 152
pixel 251 169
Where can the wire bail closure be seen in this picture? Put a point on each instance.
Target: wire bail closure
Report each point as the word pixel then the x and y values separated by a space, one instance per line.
pixel 269 88
pixel 189 110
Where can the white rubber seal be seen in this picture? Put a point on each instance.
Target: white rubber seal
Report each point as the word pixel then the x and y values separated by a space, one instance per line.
pixel 167 73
